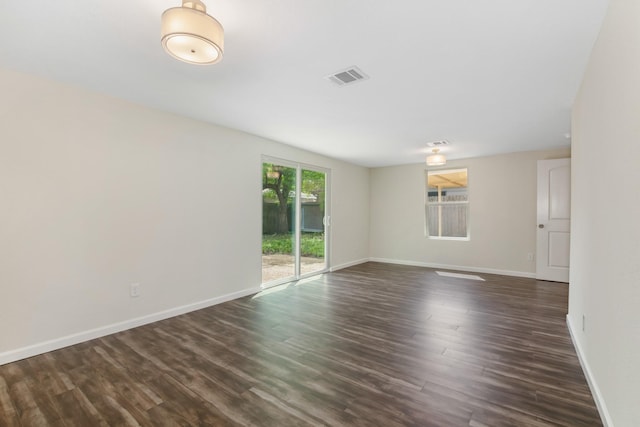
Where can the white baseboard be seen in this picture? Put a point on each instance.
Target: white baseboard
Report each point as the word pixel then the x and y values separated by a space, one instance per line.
pixel 457 267
pixel 348 264
pixel 58 343
pixel 595 390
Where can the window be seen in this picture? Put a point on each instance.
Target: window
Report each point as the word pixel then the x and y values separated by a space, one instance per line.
pixel 447 200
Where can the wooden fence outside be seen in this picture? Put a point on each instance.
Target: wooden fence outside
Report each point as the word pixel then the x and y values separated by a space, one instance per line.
pixel 311 217
pixel 454 216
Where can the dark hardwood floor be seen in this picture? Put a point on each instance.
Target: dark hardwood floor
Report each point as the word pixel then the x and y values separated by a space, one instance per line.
pixel 375 345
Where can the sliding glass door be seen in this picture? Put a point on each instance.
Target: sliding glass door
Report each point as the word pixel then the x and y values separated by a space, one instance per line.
pixel 294 221
pixel 312 221
pixel 278 222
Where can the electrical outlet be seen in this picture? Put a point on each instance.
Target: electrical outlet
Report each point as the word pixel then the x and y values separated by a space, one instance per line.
pixel 530 256
pixel 134 290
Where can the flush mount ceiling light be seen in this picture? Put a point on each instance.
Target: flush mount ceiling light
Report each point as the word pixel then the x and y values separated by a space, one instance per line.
pixel 190 35
pixel 436 159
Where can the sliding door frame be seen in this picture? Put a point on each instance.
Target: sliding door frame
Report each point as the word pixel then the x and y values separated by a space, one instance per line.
pixel 326 221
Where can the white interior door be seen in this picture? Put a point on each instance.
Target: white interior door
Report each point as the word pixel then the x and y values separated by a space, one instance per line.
pixel 554 220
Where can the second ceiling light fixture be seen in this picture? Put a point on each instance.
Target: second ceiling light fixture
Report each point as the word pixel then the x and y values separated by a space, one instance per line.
pixel 436 159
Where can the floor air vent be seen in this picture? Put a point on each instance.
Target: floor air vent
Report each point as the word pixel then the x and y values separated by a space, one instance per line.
pixel 349 76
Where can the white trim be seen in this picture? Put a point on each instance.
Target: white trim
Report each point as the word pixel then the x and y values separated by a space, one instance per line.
pixel 457 267
pixel 349 264
pixel 595 390
pixel 58 343
pixel 297 235
pixel 293 163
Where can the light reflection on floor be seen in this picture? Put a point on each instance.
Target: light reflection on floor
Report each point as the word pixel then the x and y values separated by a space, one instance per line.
pixel 460 275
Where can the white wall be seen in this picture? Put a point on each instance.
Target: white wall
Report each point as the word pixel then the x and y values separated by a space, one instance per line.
pixel 502 197
pixel 98 193
pixel 605 247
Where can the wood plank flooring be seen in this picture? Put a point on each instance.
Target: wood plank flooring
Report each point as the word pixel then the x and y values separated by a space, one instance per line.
pixel 371 345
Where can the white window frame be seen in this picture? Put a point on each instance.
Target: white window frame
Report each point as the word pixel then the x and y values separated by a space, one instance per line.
pixel 441 203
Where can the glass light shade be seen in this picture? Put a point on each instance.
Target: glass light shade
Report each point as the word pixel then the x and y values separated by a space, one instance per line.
pixel 192 36
pixel 436 159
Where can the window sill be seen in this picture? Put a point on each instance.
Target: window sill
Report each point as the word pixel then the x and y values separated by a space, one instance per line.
pixel 463 239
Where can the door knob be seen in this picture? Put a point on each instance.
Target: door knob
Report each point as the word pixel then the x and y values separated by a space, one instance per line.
pixel 540 225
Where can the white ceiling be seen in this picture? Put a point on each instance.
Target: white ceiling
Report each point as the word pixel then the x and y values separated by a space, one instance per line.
pixel 490 76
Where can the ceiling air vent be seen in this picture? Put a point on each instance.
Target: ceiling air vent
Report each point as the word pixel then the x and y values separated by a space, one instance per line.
pixel 348 76
pixel 437 143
